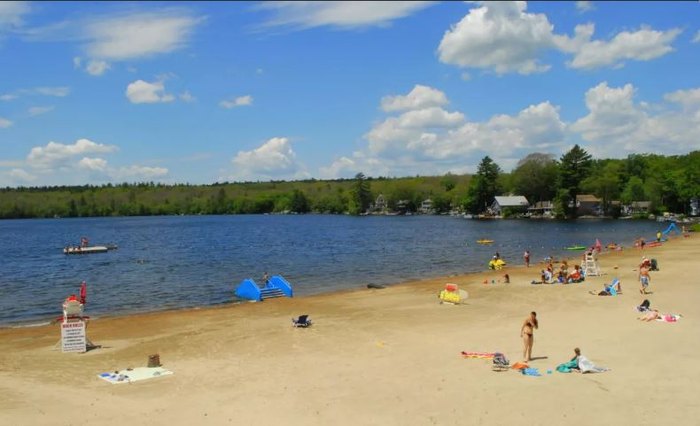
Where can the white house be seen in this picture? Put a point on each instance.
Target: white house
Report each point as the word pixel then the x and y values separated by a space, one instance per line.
pixel 426 207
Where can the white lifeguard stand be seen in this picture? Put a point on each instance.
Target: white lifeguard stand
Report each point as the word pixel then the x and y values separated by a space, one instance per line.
pixel 73 325
pixel 590 265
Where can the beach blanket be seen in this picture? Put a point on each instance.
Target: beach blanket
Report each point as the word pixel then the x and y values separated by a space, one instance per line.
pixel 587 366
pixel 566 367
pixel 669 318
pixel 134 374
pixel 481 355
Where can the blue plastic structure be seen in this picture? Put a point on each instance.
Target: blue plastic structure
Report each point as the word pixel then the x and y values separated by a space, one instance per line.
pixel 276 286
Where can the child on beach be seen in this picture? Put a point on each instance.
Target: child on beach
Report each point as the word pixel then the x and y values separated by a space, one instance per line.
pixel 526 258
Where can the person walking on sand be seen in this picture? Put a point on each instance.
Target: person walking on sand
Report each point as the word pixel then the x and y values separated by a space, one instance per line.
pixel 526 258
pixel 644 277
pixel 527 333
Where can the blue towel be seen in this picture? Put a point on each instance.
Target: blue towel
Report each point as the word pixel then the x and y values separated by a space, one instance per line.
pixel 530 372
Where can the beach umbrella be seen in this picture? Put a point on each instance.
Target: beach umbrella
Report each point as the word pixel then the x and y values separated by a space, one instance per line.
pixel 83 292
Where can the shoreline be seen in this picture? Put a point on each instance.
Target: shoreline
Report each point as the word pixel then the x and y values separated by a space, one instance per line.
pixel 381 356
pixel 232 304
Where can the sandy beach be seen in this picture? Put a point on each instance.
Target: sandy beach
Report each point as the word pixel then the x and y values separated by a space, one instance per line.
pixel 383 356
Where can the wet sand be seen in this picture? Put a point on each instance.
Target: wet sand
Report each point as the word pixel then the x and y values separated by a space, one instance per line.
pixel 383 356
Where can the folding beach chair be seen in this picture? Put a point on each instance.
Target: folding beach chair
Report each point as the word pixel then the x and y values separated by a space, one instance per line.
pixel 500 362
pixel 303 321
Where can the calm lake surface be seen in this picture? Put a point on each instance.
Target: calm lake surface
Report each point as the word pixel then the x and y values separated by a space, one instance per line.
pixel 185 261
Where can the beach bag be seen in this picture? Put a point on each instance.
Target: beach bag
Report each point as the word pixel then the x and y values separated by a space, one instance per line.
pixel 654 265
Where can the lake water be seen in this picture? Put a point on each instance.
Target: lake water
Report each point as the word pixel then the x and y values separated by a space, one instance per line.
pixel 184 261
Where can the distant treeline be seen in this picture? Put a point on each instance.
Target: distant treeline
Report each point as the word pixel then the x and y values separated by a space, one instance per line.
pixel 668 182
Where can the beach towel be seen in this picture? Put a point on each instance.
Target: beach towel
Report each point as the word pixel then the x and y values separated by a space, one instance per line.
pixel 566 367
pixel 134 374
pixel 530 372
pixel 481 355
pixel 586 366
pixel 669 318
pixel 519 366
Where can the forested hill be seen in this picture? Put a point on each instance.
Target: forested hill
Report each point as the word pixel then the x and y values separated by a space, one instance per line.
pixel 668 182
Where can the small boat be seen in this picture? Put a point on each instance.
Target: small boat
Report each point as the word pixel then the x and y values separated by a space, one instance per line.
pixel 85 250
pixel 576 248
pixel 482 241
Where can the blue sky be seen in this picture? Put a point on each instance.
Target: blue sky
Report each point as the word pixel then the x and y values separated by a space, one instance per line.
pixel 198 92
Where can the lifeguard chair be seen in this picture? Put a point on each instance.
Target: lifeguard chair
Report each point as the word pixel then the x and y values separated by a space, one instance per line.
pixel 590 265
pixel 74 324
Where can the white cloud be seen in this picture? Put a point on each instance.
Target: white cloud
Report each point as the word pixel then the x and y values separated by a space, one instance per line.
pixel 7 97
pixel 237 102
pixel 34 111
pixel 343 14
pixel 420 97
pixel 584 6
pixel 57 155
pixel 435 141
pixel 97 67
pixel 186 96
pixel 274 159
pixel 137 173
pixel 11 13
pixel 505 38
pixel 93 164
pixel 21 175
pixel 498 35
pixel 616 126
pixel 77 62
pixel 687 98
pixel 696 39
pixel 138 35
pixel 58 92
pixel 642 45
pixel 142 92
pixel 5 123
pixel 74 164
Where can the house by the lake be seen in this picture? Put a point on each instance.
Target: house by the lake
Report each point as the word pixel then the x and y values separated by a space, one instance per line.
pixel 516 203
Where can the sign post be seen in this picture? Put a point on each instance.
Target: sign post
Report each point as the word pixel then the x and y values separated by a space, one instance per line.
pixel 73 337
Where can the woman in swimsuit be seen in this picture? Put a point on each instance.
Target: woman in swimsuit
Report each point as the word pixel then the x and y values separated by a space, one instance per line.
pixel 526 332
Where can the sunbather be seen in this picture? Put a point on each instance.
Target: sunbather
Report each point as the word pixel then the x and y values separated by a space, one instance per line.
pixel 650 315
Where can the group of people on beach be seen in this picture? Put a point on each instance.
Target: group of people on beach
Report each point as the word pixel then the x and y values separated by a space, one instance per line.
pixel 562 275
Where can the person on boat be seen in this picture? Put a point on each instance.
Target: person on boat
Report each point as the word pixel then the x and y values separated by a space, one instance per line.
pixel 527 333
pixel 83 242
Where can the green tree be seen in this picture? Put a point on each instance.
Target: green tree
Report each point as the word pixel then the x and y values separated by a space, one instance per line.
pixel 604 183
pixel 448 182
pixel 483 186
pixel 361 195
pixel 535 177
pixel 633 191
pixel 575 166
pixel 298 202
